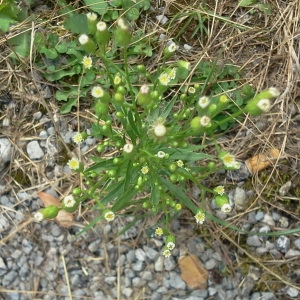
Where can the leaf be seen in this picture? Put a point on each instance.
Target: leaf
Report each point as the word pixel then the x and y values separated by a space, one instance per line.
pixel 66 108
pixel 76 23
pixel 98 6
pixel 21 44
pixel 265 8
pixel 186 154
pixel 244 3
pixel 133 14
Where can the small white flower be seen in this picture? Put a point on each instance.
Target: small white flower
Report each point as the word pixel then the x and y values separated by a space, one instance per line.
pixel 205 121
pixel 164 79
pixel 200 217
pixel 264 105
pixel 38 217
pixel 170 246
pixel 121 24
pixel 203 102
pixel 77 138
pixel 144 89
pixel 91 16
pixel 172 73
pixel 128 148
pixel 160 130
pixel 167 253
pixel 101 26
pixel 117 80
pixel 219 190
pixel 274 91
pixel 87 62
pixel 226 208
pixel 109 216
pixel 172 47
pixel 69 201
pixel 83 39
pixel 97 92
pixel 161 154
pixel 180 163
pixel 191 90
pixel 145 170
pixel 159 231
pixel 74 163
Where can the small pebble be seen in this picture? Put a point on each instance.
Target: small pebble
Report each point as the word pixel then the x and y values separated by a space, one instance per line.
pixel 282 244
pixel 34 150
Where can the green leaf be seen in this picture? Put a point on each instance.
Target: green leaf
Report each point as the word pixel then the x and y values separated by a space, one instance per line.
pixel 98 6
pixel 76 23
pixel 265 8
pixel 244 3
pixel 66 108
pixel 133 14
pixel 187 154
pixel 124 200
pixel 50 53
pixel 21 44
pixel 5 22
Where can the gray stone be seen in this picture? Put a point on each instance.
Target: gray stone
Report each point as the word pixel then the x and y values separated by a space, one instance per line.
pixel 282 244
pixel 275 216
pixel 5 152
pixel 138 282
pixel 4 200
pixel 110 280
pixel 150 253
pixel 268 220
pixel 27 246
pixel 127 292
pixel 169 263
pixel 37 115
pixel 138 266
pixel 261 250
pixel 259 216
pixel 210 264
pixel 140 254
pixel 292 253
pixel 268 296
pixel 247 287
pixel 10 277
pixel 94 246
pixel 43 134
pixel 253 241
pixel 251 217
pixel 159 264
pixel 239 197
pixel 292 292
pixel 284 222
pixel 212 291
pixel 297 243
pixel 51 131
pixel 147 275
pixel 34 150
pixel 176 281
pixel 255 296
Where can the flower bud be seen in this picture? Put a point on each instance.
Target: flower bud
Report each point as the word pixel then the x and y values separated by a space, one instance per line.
pixel 144 97
pixel 122 33
pixel 102 35
pixel 91 20
pixel 87 43
pixel 50 212
pixel 184 68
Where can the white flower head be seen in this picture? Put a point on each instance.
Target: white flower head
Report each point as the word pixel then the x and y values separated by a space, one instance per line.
pixel 226 208
pixel 200 217
pixel 121 24
pixel 160 130
pixel 191 90
pixel 87 62
pixel 164 79
pixel 159 231
pixel 78 138
pixel 203 101
pixel 69 201
pixel 145 170
pixel 274 91
pixel 171 246
pixel 91 16
pixel 97 91
pixel 180 163
pixel 264 105
pixel 74 163
pixel 128 148
pixel 109 216
pixel 219 190
pixel 172 73
pixel 161 154
pixel 38 217
pixel 83 39
pixel 144 89
pixel 167 253
pixel 101 26
pixel 205 121
pixel 172 47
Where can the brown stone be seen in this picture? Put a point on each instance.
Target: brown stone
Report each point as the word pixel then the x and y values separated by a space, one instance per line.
pixel 193 272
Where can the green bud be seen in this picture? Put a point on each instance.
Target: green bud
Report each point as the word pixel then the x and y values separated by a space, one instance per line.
pixel 77 191
pixel 155 95
pixel 144 96
pixel 102 35
pixel 119 114
pixel 211 165
pixel 122 33
pixel 184 145
pixel 141 68
pixel 212 109
pixel 183 97
pixel 87 43
pixel 91 20
pixel 119 98
pixel 121 89
pixel 100 148
pixel 147 204
pixel 173 177
pixel 101 109
pixel 184 68
pixel 221 200
pixel 111 173
pixel 173 167
pixel 170 239
pixel 50 211
pixel 116 160
pixel 154 209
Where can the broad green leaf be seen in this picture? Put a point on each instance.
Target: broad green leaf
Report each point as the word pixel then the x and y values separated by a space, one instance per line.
pixel 76 23
pixel 21 44
pixel 50 53
pixel 66 108
pixel 5 22
pixel 133 14
pixel 244 3
pixel 265 8
pixel 98 6
pixel 186 154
